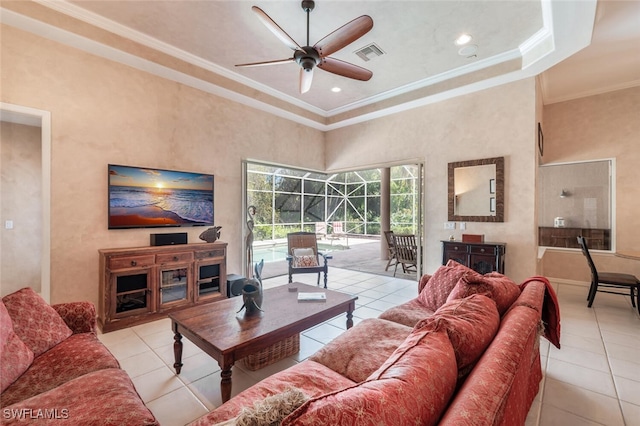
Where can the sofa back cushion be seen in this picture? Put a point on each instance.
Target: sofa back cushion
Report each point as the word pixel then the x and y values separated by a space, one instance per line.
pixel 494 285
pixel 439 285
pixel 36 323
pixel 471 324
pixel 413 386
pixel 15 356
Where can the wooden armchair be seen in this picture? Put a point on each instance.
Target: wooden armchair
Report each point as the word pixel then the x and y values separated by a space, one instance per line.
pixel 388 235
pixel 406 252
pixel 303 256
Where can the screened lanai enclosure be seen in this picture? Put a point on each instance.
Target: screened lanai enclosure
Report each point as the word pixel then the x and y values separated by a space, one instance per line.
pixel 348 203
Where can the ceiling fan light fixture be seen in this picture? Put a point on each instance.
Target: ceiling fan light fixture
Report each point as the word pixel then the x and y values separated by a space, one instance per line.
pixel 463 39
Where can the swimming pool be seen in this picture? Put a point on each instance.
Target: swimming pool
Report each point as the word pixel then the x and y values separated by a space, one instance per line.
pixel 278 252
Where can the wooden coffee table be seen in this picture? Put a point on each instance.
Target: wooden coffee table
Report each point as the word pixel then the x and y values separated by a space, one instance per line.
pixel 228 336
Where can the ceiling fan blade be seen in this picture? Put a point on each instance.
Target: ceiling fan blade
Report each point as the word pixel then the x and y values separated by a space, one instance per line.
pixel 262 64
pixel 345 69
pixel 275 28
pixel 345 35
pixel 306 77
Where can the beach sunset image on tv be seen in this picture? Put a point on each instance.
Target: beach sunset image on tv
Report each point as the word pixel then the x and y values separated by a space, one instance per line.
pixel 143 197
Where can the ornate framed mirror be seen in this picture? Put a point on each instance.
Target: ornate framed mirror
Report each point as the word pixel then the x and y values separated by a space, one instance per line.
pixel 476 190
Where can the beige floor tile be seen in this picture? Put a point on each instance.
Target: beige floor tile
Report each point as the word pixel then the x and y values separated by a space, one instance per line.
pixel 167 355
pixel 622 352
pixel 152 327
pixel 624 339
pixel 267 371
pixel 587 378
pixel 207 389
pixel 115 337
pixel 628 390
pixel 323 333
pixel 626 369
pixel 129 346
pixel 590 344
pixel 580 357
pixel 534 414
pixel 141 363
pixel 156 383
pixel 553 416
pixel 308 347
pixel 631 413
pixel 159 338
pixel 582 402
pixel 196 367
pixel 177 408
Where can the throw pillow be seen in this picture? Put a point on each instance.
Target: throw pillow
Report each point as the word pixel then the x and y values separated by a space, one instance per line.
pixel 437 288
pixel 470 323
pixel 272 410
pixel 36 323
pixel 15 356
pixel 412 387
pixel 494 285
pixel 304 258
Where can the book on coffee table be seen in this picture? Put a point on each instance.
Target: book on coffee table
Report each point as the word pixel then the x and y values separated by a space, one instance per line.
pixel 312 297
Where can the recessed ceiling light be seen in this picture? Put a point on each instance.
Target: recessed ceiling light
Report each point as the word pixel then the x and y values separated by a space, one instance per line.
pixel 336 89
pixel 468 51
pixel 463 39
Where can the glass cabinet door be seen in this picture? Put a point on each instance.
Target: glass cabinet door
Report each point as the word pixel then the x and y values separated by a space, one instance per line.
pixel 174 284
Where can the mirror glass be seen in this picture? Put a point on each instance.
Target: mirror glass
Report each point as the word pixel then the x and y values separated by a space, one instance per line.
pixel 476 190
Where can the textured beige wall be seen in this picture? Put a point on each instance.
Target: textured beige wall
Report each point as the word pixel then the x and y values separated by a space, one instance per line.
pixel 492 123
pixel 597 127
pixel 21 202
pixel 103 112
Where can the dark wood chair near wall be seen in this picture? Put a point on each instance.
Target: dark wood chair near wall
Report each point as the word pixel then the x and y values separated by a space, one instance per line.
pixel 604 282
pixel 406 252
pixel 303 256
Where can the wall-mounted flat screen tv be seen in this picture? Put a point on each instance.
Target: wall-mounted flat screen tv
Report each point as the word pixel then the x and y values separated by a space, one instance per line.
pixel 141 197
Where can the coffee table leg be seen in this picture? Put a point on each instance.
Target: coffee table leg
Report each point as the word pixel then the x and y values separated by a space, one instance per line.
pixel 225 382
pixel 177 350
pixel 350 316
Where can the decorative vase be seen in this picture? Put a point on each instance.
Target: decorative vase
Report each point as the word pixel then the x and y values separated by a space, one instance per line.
pixel 252 297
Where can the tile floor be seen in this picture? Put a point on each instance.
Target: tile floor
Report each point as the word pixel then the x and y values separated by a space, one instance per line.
pixel 593 380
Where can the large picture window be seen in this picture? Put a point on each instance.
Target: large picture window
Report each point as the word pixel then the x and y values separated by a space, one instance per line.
pixel 289 200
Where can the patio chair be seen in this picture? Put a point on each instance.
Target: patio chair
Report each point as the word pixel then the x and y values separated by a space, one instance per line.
pixel 406 252
pixel 388 235
pixel 303 256
pixel 321 229
pixel 609 280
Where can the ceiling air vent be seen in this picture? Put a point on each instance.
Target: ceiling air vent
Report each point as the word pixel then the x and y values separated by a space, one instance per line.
pixel 369 52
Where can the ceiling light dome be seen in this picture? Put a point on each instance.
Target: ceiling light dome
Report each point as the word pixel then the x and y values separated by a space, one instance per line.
pixel 463 39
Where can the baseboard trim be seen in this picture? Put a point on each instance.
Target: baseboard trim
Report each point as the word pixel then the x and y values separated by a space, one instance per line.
pixel 569 282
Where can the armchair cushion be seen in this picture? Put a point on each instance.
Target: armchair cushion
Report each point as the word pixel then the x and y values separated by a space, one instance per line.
pixel 80 317
pixel 15 356
pixel 437 288
pixel 36 323
pixel 304 258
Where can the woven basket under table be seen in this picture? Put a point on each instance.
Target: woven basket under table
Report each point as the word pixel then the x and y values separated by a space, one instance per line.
pixel 273 353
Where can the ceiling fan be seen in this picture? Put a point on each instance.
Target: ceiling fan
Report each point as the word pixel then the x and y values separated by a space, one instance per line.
pixel 308 57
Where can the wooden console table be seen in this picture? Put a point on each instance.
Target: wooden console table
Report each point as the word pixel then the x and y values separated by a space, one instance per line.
pixel 481 257
pixel 143 284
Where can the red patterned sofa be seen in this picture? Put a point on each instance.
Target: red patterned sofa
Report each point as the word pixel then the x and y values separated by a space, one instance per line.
pixel 55 369
pixel 464 352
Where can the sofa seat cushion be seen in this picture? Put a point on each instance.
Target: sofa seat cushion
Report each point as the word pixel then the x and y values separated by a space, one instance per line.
pixel 310 377
pixel 362 349
pixel 409 313
pixel 412 388
pixel 36 323
pixel 15 356
pixel 105 397
pixel 436 290
pixel 496 286
pixel 76 356
pixel 471 324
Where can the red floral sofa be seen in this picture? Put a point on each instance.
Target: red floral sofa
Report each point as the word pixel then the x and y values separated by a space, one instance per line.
pixel 54 369
pixel 464 352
